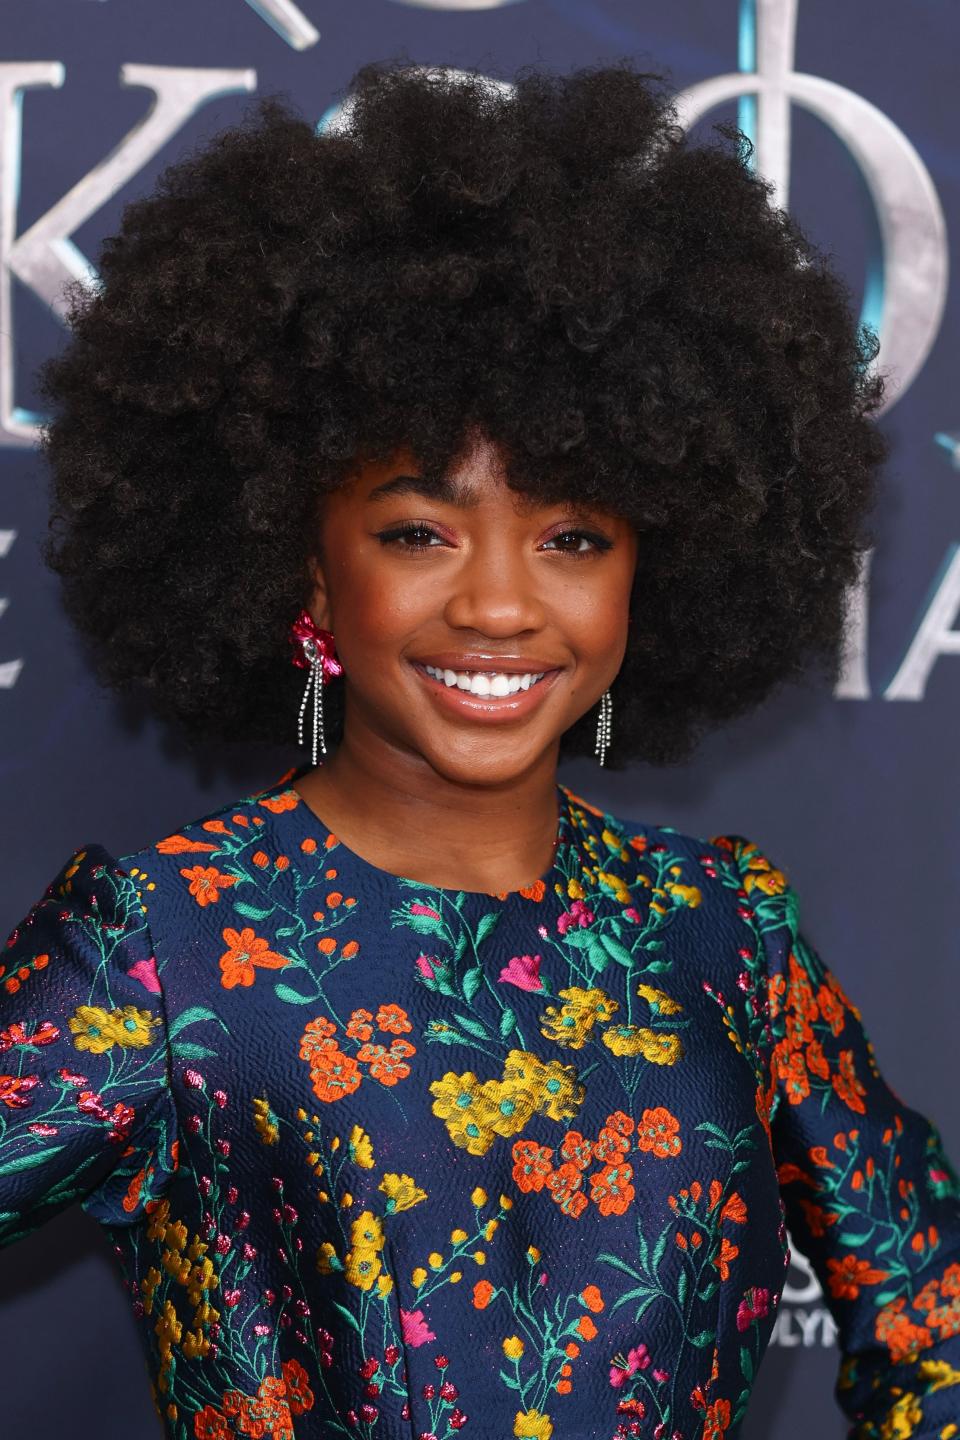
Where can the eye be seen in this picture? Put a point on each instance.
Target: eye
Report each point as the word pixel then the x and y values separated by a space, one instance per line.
pixel 597 542
pixel 403 532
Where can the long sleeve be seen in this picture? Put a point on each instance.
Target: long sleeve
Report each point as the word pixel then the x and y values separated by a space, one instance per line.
pixel 86 1108
pixel 871 1198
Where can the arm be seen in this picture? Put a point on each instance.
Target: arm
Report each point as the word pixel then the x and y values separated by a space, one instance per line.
pixel 86 1109
pixel 871 1197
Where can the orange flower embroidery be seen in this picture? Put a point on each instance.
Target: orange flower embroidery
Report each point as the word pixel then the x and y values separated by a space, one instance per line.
pixel 286 800
pixel 611 1189
pixel 393 1019
pixel 387 1066
pixel 532 1163
pixel 793 1073
pixel 849 1273
pixel 847 1085
pixel 180 845
pixel 658 1132
pixel 359 1026
pixel 246 951
pixel 482 1293
pixel 566 1186
pixel 728 1252
pixel 333 1073
pixel 735 1209
pixel 206 882
pixel 717 1420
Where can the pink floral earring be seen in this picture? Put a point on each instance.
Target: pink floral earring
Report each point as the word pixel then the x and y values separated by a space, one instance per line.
pixel 314 648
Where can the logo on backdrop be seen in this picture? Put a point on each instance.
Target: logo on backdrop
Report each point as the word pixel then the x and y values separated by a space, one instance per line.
pixel 906 262
pixel 802 1316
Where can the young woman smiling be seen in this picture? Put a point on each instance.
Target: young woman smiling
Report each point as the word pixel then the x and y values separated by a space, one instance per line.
pixel 417 1094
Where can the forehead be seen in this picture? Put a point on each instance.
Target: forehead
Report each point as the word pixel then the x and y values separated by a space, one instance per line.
pixel 477 478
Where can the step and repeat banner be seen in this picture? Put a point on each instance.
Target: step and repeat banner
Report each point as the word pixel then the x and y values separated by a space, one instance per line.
pixel 853 111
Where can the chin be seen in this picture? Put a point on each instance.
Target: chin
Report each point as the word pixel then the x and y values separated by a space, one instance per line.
pixel 480 762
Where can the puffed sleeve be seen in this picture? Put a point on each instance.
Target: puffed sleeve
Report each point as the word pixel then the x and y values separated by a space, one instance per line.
pixel 86 1107
pixel 871 1197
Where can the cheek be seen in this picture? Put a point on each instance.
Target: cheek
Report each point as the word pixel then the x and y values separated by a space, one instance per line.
pixel 379 605
pixel 595 620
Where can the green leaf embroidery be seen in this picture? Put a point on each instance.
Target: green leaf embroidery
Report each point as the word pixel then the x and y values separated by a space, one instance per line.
pixel 471 982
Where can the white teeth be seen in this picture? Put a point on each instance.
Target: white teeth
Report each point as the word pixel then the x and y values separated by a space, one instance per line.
pixel 487 682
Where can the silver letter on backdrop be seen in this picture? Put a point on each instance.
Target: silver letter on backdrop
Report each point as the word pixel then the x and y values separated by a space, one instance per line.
pixel 907 266
pixel 934 636
pixel 288 20
pixel 906 307
pixel 44 257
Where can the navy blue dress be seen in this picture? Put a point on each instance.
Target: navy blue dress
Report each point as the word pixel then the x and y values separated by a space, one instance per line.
pixel 383 1159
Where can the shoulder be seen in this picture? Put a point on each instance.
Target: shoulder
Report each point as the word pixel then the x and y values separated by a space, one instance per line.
pixel 735 863
pixel 233 822
pixel 656 837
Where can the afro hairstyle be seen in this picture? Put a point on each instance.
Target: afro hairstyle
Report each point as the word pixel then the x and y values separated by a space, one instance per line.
pixel 550 261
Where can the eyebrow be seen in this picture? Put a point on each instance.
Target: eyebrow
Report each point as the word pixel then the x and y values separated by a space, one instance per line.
pixel 444 488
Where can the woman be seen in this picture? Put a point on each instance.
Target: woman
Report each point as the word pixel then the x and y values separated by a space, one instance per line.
pixel 417 1093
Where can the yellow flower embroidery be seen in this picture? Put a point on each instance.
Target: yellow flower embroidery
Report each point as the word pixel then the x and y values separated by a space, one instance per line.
pixel 402 1192
pixel 508 1106
pixel 572 1023
pixel 554 1086
pixel 326 1255
pixel 264 1121
pixel 159 1217
pixel 659 1000
pixel 361 1149
pixel 461 1106
pixel 531 1425
pixel 362 1266
pixel 901 1421
pixel 619 887
pixel 683 894
pixel 653 1045
pixel 96 1029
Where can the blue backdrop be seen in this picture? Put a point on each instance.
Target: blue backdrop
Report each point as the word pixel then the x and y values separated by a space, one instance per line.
pixel 852 107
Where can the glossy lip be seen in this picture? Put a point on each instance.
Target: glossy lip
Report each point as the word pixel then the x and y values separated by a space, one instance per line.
pixel 487 707
pixel 504 664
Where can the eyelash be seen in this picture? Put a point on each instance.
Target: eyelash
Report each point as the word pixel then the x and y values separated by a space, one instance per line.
pixel 600 542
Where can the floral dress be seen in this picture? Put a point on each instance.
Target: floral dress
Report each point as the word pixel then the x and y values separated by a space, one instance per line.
pixel 383 1159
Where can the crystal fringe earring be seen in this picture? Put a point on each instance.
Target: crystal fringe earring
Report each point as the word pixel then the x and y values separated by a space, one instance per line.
pixel 313 648
pixel 603 726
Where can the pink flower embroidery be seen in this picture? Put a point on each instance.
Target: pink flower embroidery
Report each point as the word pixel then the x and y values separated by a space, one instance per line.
pixel 146 972
pixel 753 1306
pixel 414 1328
pixel 637 1359
pixel 522 971
pixel 578 915
pixel 424 964
pixel 416 908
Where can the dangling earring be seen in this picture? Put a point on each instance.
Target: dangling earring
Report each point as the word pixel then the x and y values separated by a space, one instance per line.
pixel 313 647
pixel 603 725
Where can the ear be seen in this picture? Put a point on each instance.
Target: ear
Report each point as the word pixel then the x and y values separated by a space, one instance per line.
pixel 319 602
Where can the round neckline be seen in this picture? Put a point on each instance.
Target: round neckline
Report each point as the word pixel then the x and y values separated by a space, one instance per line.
pixel 310 825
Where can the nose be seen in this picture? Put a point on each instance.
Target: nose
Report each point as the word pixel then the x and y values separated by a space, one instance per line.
pixel 495 591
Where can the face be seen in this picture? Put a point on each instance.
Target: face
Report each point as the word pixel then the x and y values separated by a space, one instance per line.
pixel 478 581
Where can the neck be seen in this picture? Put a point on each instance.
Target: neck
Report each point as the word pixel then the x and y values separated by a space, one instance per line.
pixel 404 816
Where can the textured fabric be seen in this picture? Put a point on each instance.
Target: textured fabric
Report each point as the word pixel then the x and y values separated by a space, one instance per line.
pixel 388 1160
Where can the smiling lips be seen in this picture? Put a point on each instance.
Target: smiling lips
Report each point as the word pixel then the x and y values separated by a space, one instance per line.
pixel 486 682
pixel 478 689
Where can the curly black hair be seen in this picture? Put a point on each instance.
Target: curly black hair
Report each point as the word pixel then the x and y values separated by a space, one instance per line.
pixel 551 262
